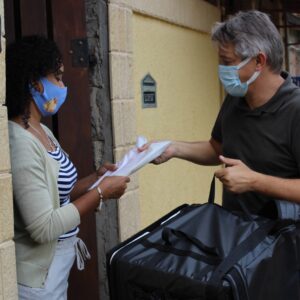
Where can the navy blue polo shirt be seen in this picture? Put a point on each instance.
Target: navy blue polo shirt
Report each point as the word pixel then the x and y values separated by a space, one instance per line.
pixel 266 139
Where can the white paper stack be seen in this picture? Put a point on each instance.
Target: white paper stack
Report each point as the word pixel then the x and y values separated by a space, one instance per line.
pixel 134 160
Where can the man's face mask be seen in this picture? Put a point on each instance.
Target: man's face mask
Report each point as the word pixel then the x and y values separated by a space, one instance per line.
pixel 51 99
pixel 230 79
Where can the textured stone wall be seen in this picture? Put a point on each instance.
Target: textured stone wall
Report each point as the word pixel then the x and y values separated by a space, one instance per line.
pixel 107 220
pixel 8 287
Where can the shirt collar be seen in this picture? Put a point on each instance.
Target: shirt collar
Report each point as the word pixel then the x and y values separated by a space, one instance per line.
pixel 275 102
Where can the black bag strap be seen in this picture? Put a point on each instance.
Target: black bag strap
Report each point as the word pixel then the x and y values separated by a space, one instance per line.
pixel 168 233
pixel 211 197
pixel 209 260
pixel 211 200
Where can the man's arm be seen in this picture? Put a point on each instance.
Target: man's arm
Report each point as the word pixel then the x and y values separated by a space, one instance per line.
pixel 238 178
pixel 202 153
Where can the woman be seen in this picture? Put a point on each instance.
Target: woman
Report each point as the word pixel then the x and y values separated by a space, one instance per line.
pixel 44 178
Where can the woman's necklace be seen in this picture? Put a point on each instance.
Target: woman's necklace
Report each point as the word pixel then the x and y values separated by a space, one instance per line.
pixel 49 142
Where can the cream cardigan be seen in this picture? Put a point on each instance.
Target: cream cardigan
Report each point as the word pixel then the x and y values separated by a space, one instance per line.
pixel 38 218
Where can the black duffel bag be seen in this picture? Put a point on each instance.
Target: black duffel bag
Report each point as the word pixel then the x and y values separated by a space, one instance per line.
pixel 207 252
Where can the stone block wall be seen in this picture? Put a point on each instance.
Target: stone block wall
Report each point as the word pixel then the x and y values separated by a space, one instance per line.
pixel 8 285
pixel 123 105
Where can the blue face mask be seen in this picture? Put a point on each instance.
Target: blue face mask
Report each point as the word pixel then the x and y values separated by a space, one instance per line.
pixel 51 99
pixel 230 79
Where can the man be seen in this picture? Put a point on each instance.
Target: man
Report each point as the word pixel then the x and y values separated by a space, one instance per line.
pixel 257 132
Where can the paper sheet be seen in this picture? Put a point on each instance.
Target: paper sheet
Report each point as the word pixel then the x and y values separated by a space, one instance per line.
pixel 134 160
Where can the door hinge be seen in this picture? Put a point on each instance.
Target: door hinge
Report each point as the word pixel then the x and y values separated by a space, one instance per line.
pixel 80 53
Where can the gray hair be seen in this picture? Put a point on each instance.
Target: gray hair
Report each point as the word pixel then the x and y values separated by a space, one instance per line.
pixel 251 32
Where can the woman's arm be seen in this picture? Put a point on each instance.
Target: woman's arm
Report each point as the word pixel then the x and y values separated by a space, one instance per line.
pixel 112 187
pixel 37 200
pixel 83 184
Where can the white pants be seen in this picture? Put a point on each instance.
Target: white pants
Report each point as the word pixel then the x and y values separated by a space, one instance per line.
pixel 56 284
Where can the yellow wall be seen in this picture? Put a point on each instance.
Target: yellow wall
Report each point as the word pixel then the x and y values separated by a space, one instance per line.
pixel 184 64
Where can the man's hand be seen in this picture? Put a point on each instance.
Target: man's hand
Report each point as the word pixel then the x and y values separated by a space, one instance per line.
pixel 164 157
pixel 236 177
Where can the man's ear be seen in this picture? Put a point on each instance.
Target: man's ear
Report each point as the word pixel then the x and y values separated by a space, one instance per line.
pixel 261 61
pixel 38 86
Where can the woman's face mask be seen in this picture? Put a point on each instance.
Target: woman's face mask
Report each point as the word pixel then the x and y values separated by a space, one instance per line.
pixel 230 79
pixel 51 99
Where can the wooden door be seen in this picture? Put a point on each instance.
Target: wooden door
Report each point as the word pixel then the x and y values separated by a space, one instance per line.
pixel 64 21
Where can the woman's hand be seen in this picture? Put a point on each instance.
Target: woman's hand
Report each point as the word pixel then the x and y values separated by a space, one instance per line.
pixel 83 184
pixel 106 167
pixel 164 157
pixel 114 186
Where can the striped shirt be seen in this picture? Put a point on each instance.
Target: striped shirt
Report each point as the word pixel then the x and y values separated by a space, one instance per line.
pixel 67 178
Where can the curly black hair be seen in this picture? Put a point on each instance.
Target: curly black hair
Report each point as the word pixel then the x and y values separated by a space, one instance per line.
pixel 27 60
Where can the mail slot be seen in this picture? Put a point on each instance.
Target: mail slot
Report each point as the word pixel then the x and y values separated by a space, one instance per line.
pixel 148 86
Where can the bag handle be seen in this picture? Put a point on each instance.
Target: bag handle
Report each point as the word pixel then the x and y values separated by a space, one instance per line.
pixel 169 233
